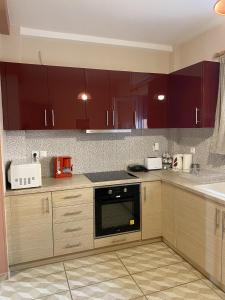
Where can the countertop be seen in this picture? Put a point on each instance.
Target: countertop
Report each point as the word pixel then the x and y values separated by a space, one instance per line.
pixel 185 181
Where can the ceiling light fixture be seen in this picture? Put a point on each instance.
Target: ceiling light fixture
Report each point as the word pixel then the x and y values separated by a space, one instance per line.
pixel 84 96
pixel 220 7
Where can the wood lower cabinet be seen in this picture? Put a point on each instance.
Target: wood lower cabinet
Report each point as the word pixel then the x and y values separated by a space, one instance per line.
pixel 198 231
pixel 193 225
pixel 223 247
pixel 151 209
pixel 73 221
pixel 168 213
pixel 29 227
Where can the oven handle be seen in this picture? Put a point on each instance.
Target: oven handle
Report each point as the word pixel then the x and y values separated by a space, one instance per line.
pixel 117 200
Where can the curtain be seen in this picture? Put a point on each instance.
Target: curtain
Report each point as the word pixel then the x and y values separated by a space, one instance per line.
pixel 218 138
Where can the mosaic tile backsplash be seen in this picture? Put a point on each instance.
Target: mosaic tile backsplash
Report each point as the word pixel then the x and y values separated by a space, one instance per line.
pixel 90 152
pixel 103 152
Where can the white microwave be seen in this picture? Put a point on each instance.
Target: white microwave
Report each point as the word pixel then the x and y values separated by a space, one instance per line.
pixel 23 175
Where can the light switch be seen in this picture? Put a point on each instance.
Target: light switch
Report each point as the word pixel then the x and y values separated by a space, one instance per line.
pixel 155 147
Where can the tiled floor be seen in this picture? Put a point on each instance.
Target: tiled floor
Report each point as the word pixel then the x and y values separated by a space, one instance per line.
pixel 150 272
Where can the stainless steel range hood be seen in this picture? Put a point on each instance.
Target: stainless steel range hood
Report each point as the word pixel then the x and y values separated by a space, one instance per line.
pixel 108 130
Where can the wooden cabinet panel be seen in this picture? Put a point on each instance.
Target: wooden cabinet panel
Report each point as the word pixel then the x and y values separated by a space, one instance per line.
pixel 151 210
pixel 25 96
pixel 72 197
pixel 193 95
pixel 223 246
pixel 68 245
pixel 168 213
pixel 68 111
pixel 29 227
pixel 118 239
pixel 198 230
pixel 99 109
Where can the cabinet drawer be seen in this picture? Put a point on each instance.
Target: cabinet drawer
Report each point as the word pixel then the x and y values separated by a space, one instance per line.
pixel 73 229
pixel 68 245
pixel 72 197
pixel 118 239
pixel 72 213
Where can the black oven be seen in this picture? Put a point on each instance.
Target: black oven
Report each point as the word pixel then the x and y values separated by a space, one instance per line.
pixel 117 209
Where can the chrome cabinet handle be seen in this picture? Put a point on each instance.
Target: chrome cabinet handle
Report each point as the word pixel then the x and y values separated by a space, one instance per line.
pixel 45 206
pixel 107 118
pixel 223 223
pixel 72 213
pixel 217 219
pixel 72 230
pixel 196 115
pixel 113 112
pixel 145 194
pixel 119 241
pixel 53 118
pixel 46 122
pixel 72 197
pixel 135 119
pixel 72 246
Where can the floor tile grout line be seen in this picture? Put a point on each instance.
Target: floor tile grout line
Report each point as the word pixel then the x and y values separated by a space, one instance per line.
pixel 80 287
pixel 168 288
pixel 67 281
pixel 172 287
pixel 212 287
pixel 131 277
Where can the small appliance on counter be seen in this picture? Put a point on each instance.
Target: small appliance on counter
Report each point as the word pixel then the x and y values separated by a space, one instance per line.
pixel 167 161
pixel 187 162
pixel 63 166
pixel 177 162
pixel 153 163
pixel 137 168
pixel 23 174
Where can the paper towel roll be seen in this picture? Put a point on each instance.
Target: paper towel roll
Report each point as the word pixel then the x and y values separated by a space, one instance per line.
pixel 187 161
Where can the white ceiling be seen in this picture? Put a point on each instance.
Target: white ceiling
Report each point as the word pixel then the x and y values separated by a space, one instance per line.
pixel 147 21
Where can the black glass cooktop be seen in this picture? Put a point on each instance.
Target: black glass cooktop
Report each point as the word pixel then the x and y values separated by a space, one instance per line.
pixel 109 176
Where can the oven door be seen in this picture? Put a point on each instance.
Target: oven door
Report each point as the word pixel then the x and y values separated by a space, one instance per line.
pixel 113 216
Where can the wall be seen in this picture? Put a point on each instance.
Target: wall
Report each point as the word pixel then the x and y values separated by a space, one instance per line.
pixel 202 47
pixel 69 53
pixel 90 152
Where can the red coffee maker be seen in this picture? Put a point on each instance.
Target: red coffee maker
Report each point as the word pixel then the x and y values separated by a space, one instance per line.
pixel 63 166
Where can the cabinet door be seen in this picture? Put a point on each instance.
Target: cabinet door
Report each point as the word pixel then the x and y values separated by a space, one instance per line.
pixel 151 210
pixel 99 112
pixel 67 109
pixel 185 97
pixel 25 96
pixel 198 230
pixel 29 227
pixel 168 213
pixel 124 112
pixel 223 247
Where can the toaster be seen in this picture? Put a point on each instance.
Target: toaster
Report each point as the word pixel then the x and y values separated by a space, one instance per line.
pixel 23 175
pixel 153 163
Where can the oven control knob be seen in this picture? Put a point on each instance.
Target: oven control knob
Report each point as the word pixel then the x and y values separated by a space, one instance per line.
pixel 110 192
pixel 125 190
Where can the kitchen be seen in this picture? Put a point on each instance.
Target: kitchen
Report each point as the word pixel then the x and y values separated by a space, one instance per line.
pixel 90 100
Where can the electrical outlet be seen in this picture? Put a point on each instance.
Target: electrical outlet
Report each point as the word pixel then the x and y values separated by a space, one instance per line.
pixel 192 150
pixel 35 154
pixel 155 147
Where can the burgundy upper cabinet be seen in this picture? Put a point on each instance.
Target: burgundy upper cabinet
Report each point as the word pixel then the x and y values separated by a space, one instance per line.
pixel 124 113
pixel 67 109
pixel 151 91
pixel 193 95
pixel 99 113
pixel 24 96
